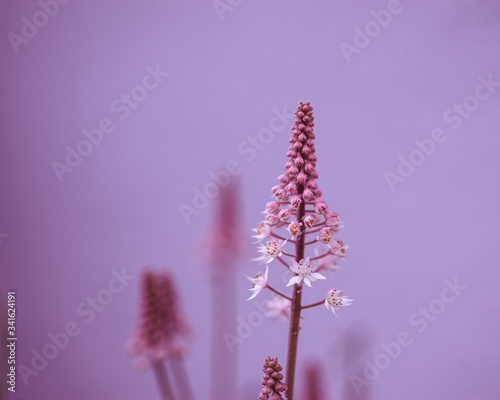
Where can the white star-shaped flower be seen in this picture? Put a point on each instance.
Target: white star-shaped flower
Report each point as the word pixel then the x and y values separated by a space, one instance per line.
pixel 304 272
pixel 270 250
pixel 258 283
pixel 263 231
pixel 335 300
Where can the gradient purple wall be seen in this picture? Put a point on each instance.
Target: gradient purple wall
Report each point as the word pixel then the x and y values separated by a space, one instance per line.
pixel 228 74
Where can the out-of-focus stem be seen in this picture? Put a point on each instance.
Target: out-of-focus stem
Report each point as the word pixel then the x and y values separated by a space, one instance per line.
pixel 223 320
pixel 162 379
pixel 181 379
pixel 293 332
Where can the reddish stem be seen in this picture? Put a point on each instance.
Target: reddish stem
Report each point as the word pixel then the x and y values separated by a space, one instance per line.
pixel 293 332
pixel 314 304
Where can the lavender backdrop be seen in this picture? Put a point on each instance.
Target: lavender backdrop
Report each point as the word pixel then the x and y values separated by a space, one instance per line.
pixel 231 67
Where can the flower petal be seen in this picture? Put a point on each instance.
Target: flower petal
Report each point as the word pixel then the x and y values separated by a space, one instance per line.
pixel 295 280
pixel 256 292
pixel 294 269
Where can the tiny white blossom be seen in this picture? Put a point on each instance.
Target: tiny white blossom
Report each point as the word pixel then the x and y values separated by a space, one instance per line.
pixel 270 250
pixel 278 307
pixel 304 272
pixel 258 283
pixel 338 248
pixel 263 231
pixel 324 235
pixel 335 300
pixel 294 228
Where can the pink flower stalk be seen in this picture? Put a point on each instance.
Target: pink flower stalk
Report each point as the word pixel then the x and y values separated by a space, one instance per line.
pixel 313 382
pixel 272 385
pixel 299 217
pixel 161 325
pixel 222 241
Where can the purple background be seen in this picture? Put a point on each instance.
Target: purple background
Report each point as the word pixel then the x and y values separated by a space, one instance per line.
pixel 119 207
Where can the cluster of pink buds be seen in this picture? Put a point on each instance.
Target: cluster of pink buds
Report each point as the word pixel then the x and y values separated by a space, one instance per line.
pixel 298 231
pixel 272 385
pixel 161 325
pixel 298 216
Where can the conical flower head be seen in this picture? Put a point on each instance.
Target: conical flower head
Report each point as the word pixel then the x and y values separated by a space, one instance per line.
pixel 297 186
pixel 272 385
pixel 221 242
pixel 300 177
pixel 160 324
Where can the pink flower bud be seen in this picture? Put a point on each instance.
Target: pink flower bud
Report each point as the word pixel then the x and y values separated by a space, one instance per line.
pixel 280 194
pixel 283 178
pixel 308 167
pixel 272 219
pixel 308 194
pixel 297 145
pixel 284 215
pixel 296 201
pixel 320 206
pixel 301 177
pixel 275 188
pixel 309 220
pixel 272 206
pixel 291 187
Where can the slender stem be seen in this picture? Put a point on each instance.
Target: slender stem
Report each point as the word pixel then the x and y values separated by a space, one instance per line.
pixel 313 304
pixel 293 332
pixel 277 292
pixel 313 231
pixel 224 313
pixel 282 238
pixel 181 378
pixel 321 256
pixel 288 254
pixel 162 379
pixel 282 261
pixel 311 242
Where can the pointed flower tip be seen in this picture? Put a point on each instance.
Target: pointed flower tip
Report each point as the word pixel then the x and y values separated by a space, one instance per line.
pixel 272 380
